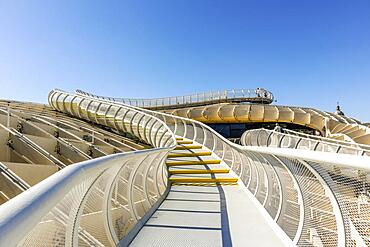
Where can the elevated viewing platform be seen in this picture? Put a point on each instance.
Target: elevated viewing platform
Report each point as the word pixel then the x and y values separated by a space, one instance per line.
pixel 90 171
pixel 223 110
pixel 258 95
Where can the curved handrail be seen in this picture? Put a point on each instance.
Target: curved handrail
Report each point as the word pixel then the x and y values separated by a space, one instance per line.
pixel 328 140
pixel 232 95
pixel 292 139
pixel 58 201
pixel 119 117
pixel 62 200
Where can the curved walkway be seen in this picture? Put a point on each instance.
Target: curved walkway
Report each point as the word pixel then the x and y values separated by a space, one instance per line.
pixel 258 95
pixel 201 212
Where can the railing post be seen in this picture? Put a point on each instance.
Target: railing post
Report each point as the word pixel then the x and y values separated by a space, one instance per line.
pixel 280 140
pixel 130 191
pixel 257 138
pixel 108 197
pixel 8 116
pixel 299 140
pixel 268 139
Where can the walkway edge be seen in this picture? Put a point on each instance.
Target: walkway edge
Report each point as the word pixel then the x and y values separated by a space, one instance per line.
pixel 126 241
pixel 275 227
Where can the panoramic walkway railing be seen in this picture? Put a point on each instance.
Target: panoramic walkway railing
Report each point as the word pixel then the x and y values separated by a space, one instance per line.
pixel 258 95
pixel 292 139
pixel 316 198
pixel 119 117
pixel 96 202
pixel 92 203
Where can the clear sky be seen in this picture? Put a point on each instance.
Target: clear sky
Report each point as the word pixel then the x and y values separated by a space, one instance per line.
pixel 308 53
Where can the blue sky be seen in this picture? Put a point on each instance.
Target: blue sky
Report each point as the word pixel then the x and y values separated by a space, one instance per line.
pixel 308 53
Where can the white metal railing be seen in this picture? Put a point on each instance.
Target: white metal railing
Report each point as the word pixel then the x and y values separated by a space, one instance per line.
pixel 92 203
pixel 96 202
pixel 307 193
pixel 248 95
pixel 312 196
pixel 293 139
pixel 119 117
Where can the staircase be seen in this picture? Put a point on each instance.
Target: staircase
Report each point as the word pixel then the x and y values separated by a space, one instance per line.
pixel 193 164
pixel 194 213
pixel 201 209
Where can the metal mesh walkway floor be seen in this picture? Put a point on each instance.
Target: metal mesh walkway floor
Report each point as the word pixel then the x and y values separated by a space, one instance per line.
pixel 207 216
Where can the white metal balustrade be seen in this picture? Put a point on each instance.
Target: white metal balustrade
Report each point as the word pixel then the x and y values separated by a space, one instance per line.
pixel 258 95
pixel 99 201
pixel 293 139
pixel 93 203
pixel 315 198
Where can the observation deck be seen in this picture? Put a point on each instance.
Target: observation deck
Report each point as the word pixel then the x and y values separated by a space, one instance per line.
pixel 258 95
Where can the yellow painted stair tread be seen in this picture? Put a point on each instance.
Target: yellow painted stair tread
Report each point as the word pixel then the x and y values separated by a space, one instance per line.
pixel 192 162
pixel 203 180
pixel 202 184
pixel 188 147
pixel 188 171
pixel 185 142
pixel 174 155
pixel 179 138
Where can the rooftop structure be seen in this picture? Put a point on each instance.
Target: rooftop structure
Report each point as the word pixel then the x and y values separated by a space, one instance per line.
pixel 258 95
pixel 127 175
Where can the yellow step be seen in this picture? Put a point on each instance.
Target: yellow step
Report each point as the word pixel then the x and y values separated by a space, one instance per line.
pixel 199 171
pixel 179 138
pixel 203 180
pixel 188 147
pixel 174 155
pixel 185 142
pixel 192 162
pixel 202 184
